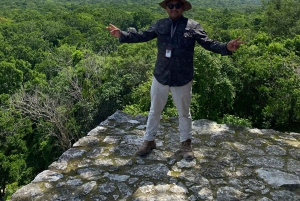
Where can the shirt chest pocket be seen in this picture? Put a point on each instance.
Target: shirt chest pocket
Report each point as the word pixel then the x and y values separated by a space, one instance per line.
pixel 163 35
pixel 185 38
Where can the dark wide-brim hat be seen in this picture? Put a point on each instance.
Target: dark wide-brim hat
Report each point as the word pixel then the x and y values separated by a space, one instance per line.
pixel 186 5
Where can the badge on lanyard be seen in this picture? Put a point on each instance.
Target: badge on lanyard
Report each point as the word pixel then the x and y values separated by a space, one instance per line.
pixel 169 49
pixel 168 52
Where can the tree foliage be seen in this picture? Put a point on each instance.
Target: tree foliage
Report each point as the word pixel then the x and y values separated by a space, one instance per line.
pixel 282 17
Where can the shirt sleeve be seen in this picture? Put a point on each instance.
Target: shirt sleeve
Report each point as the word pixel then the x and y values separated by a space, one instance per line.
pixel 137 37
pixel 209 44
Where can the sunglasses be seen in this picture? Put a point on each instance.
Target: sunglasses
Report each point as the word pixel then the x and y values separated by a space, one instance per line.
pixel 177 5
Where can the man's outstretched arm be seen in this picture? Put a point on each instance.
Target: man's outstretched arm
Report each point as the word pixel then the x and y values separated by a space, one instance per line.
pixel 132 37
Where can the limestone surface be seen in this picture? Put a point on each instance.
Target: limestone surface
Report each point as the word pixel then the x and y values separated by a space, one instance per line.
pixel 232 163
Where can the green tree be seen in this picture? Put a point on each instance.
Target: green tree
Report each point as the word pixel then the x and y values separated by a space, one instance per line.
pixel 213 91
pixel 282 17
pixel 13 150
pixel 10 77
pixel 142 19
pixel 267 72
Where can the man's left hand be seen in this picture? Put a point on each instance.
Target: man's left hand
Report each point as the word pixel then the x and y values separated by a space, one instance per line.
pixel 233 45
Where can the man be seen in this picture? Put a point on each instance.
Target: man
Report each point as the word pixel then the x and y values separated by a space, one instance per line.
pixel 176 37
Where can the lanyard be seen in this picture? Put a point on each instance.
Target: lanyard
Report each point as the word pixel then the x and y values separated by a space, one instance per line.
pixel 173 29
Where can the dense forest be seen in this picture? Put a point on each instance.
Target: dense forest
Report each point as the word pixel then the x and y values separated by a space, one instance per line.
pixel 61 73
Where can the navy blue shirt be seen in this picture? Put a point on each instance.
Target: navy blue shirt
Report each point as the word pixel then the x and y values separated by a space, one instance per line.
pixel 179 69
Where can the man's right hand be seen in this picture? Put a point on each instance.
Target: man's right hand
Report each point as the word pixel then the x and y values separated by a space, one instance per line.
pixel 114 31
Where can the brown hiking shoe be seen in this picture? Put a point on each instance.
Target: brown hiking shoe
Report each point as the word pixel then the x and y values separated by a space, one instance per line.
pixel 186 150
pixel 146 148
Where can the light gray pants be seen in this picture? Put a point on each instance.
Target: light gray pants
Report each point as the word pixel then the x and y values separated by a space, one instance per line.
pixel 182 99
